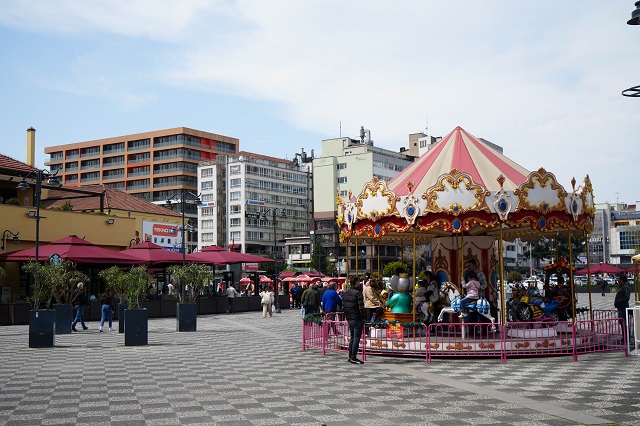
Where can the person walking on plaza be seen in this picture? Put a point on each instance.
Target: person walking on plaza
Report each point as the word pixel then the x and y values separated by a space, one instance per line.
pixel 266 300
pixel 231 295
pixel 311 300
pixel 603 284
pixel 621 301
pixel 106 301
pixel 353 306
pixel 79 301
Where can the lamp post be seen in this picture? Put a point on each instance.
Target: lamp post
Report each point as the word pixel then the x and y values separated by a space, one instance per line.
pixel 274 214
pixel 182 197
pixel 39 176
pixel 14 237
pixel 633 92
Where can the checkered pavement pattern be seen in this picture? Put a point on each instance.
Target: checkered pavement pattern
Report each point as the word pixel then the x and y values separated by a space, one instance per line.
pixel 242 369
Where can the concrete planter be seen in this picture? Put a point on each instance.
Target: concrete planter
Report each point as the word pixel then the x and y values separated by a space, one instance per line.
pixel 41 328
pixel 63 318
pixel 136 330
pixel 186 316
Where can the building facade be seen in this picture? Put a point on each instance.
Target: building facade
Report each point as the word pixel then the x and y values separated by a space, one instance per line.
pixel 155 166
pixel 347 164
pixel 240 194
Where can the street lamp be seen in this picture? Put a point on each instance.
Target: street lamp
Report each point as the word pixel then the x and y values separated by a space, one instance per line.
pixel 6 234
pixel 274 214
pixel 633 92
pixel 182 197
pixel 39 176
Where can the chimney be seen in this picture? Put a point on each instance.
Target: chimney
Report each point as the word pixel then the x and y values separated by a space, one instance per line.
pixel 31 146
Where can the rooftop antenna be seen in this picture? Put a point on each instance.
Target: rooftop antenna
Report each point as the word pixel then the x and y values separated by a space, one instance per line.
pixel 617 197
pixel 340 128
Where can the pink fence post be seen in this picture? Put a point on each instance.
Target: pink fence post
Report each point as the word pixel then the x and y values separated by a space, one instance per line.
pixel 574 330
pixel 503 343
pixel 325 335
pixel 304 336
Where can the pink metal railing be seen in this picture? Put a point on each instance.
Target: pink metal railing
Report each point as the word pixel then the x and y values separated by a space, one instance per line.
pixel 468 339
pixel 517 339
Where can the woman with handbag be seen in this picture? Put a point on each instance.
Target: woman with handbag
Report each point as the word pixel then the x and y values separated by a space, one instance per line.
pixel 266 299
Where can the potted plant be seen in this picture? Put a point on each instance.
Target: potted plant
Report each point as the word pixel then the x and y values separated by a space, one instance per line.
pixel 114 278
pixel 41 319
pixel 136 323
pixel 64 281
pixel 192 279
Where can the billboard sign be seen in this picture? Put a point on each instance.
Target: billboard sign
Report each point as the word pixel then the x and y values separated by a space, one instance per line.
pixel 166 235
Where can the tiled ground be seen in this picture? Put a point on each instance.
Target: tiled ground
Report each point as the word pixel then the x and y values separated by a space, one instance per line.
pixel 242 369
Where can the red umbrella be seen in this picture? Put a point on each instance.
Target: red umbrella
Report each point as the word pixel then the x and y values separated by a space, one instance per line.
pixel 265 279
pixel 246 280
pixel 631 269
pixel 599 268
pixel 153 254
pixel 74 249
pixel 218 256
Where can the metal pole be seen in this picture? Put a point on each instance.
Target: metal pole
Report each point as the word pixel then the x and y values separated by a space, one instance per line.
pixel 275 257
pixel 183 230
pixel 37 200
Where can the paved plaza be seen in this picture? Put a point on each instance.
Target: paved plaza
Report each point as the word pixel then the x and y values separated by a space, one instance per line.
pixel 243 369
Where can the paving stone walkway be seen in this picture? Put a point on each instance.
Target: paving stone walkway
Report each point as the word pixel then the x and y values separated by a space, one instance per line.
pixel 242 369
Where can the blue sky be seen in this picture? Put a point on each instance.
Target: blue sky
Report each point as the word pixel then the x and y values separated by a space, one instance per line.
pixel 542 79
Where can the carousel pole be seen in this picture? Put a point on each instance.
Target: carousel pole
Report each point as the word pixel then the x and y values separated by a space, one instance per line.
pixel 379 273
pixel 357 257
pixel 573 288
pixel 586 242
pixel 414 273
pixel 503 303
pixel 345 286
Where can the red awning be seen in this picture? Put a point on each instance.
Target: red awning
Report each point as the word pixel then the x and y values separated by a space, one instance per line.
pixel 73 249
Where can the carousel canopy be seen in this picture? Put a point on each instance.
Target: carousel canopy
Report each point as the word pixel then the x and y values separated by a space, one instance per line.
pixel 465 186
pixel 461 151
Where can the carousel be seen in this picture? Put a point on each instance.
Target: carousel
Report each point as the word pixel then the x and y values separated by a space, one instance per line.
pixel 466 198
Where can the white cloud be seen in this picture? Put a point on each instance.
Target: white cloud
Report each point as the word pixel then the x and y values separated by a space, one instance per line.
pixel 542 81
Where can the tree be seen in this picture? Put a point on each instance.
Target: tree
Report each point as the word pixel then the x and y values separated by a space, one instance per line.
pixel 135 285
pixel 192 275
pixel 514 276
pixel 319 260
pixel 114 278
pixel 420 255
pixel 65 281
pixel 394 268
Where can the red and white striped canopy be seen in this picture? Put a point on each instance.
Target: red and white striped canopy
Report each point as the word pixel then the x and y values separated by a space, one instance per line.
pixel 462 151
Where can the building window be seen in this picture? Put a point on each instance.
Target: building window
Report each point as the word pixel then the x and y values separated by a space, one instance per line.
pixel 342 179
pixel 235 209
pixel 628 240
pixel 236 235
pixel 235 183
pixel 206 186
pixel 206 172
pixel 341 166
pixel 234 170
pixel 208 211
pixel 235 222
pixel 235 196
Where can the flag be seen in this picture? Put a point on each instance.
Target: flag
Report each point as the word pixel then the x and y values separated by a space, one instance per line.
pixel 521 243
pixel 233 244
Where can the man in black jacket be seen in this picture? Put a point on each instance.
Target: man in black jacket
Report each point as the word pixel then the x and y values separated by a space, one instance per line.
pixel 79 301
pixel 353 307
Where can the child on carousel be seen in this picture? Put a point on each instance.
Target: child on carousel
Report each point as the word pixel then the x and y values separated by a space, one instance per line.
pixel 472 288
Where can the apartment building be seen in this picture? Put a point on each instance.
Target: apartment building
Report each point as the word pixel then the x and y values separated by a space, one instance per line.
pixel 246 196
pixel 347 164
pixel 155 166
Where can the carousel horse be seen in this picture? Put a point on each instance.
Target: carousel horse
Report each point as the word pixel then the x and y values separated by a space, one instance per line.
pixel 450 293
pixel 427 309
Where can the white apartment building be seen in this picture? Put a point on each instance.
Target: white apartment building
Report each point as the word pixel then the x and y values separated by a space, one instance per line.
pixel 240 194
pixel 344 165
